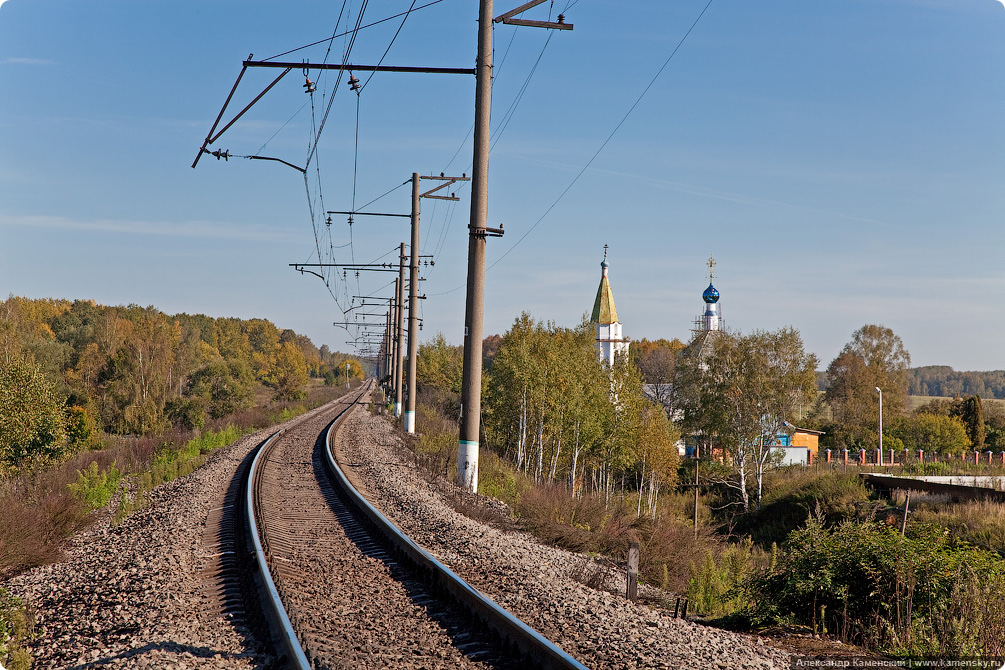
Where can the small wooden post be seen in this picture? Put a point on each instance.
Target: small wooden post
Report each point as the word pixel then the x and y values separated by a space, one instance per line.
pixel 907 504
pixel 633 571
pixel 696 497
pixel 827 454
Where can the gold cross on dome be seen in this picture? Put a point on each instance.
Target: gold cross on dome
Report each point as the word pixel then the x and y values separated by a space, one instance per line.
pixel 711 268
pixel 605 252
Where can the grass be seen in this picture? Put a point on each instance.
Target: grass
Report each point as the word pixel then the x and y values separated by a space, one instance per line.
pixel 916 401
pixel 978 522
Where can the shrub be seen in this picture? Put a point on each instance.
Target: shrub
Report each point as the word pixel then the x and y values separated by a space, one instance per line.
pixel 793 496
pixel 923 594
pixel 718 588
pixel 96 487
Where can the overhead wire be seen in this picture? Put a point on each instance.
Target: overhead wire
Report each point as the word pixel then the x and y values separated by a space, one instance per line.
pixel 381 61
pixel 369 25
pixel 347 50
pixel 497 71
pixel 507 117
pixel 607 140
pixel 497 134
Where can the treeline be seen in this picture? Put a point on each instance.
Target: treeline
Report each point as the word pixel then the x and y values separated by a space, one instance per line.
pixel 72 369
pixel 558 415
pixel 942 380
pixel 877 359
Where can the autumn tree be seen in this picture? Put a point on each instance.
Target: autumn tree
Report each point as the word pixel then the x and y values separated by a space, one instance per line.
pixel 656 360
pixel 438 364
pixel 742 395
pixel 562 414
pixel 875 358
pixel 222 387
pixel 290 372
pixel 545 398
pixel 31 415
pixel 657 456
pixel 932 433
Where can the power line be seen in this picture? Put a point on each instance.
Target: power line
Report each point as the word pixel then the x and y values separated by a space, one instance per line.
pixel 400 26
pixel 606 141
pixel 369 25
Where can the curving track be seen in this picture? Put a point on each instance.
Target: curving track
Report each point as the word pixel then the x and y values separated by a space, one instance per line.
pixel 350 592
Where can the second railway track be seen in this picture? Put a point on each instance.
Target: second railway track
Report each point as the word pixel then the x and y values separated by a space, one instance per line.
pixel 353 597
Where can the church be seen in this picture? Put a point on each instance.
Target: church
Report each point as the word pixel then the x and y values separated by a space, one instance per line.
pixel 611 342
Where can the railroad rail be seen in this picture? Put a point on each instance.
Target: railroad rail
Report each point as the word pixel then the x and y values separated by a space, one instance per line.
pixel 479 630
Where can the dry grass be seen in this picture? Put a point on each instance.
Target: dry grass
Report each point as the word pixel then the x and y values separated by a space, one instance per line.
pixel 979 522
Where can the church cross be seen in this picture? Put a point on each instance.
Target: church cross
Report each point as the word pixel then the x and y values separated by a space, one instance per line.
pixel 711 268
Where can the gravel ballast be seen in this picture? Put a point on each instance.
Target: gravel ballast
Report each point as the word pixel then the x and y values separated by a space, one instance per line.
pixel 135 594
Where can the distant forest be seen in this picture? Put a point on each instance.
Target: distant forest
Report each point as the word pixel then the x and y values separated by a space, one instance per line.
pixel 137 370
pixel 942 380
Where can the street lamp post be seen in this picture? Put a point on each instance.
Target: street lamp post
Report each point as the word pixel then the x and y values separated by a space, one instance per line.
pixel 880 392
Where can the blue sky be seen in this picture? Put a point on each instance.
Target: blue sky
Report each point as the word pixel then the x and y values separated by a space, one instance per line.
pixel 843 160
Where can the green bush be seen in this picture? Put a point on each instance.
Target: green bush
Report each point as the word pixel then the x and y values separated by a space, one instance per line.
pixel 793 496
pixel 497 479
pixel 920 595
pixel 96 487
pixel 718 588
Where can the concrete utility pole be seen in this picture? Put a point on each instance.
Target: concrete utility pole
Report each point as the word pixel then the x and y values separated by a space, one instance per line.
pixel 392 334
pixel 388 351
pixel 474 306
pixel 413 285
pixel 399 293
pixel 413 300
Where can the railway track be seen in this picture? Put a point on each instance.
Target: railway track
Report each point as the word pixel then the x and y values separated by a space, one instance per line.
pixel 343 588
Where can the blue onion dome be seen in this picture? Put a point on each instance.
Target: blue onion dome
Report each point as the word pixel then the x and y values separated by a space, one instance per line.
pixel 710 295
pixel 603 263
